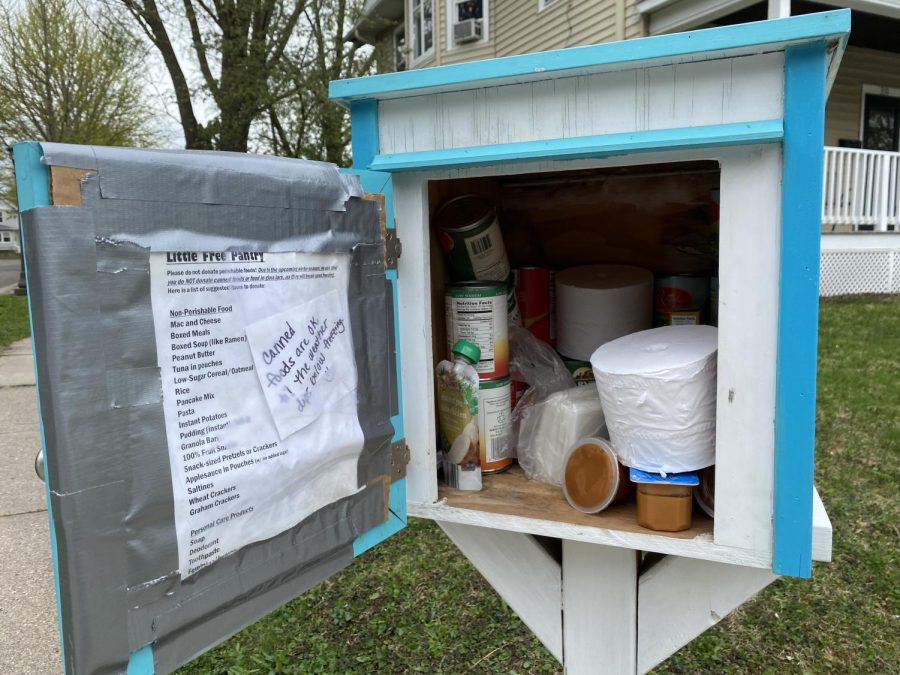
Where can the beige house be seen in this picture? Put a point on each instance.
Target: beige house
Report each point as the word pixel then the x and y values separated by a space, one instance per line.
pixel 862 125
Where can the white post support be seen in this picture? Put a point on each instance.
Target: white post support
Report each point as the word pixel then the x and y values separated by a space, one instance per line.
pixel 883 190
pixel 522 572
pixel 779 9
pixel 682 597
pixel 600 585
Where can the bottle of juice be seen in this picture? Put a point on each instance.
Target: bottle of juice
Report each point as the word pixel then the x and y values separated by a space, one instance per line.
pixel 457 391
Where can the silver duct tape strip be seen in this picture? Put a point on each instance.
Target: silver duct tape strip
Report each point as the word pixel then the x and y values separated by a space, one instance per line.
pixel 190 177
pixel 104 423
pixel 258 569
pixel 133 386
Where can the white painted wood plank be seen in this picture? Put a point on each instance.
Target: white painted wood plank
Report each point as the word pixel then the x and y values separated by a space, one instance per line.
pixel 702 547
pixel 413 294
pixel 821 546
pixel 522 572
pixel 688 94
pixel 600 605
pixel 749 264
pixel 679 598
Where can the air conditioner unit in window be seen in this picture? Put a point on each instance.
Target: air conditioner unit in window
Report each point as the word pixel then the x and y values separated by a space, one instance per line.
pixel 469 30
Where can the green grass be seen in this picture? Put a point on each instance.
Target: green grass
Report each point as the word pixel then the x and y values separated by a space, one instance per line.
pixel 9 255
pixel 13 319
pixel 415 605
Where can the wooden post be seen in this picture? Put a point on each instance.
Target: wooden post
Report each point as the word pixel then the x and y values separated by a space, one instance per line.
pixel 600 585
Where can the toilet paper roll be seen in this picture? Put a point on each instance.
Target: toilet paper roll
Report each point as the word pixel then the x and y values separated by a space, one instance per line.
pixel 658 392
pixel 599 303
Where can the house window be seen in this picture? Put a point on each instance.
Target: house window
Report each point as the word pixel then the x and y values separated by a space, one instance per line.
pixel 400 48
pixel 466 22
pixel 422 24
pixel 6 237
pixel 881 122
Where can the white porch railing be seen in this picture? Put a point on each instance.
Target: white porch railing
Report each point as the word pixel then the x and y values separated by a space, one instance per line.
pixel 861 190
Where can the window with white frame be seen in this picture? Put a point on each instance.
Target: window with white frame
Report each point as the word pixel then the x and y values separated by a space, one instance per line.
pixel 7 237
pixel 400 48
pixel 467 22
pixel 421 24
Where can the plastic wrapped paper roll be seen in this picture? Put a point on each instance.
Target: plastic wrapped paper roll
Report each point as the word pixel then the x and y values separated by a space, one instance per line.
pixel 658 391
pixel 599 303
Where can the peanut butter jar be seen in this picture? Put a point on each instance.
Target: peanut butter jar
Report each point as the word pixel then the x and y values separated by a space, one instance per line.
pixel 592 476
pixel 664 503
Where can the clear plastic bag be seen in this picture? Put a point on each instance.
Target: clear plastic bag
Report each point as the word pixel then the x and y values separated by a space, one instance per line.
pixel 549 428
pixel 551 402
pixel 537 364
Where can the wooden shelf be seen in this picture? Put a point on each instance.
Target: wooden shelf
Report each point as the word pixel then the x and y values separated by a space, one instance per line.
pixel 512 493
pixel 510 501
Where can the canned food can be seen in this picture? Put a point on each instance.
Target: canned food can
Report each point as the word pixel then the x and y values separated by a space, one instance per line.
pixel 682 293
pixel 533 293
pixel 470 236
pixel 495 424
pixel 582 372
pixel 683 318
pixel 553 308
pixel 517 391
pixel 476 311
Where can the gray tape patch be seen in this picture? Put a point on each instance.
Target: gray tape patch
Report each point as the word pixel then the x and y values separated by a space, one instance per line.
pixel 209 177
pixel 107 456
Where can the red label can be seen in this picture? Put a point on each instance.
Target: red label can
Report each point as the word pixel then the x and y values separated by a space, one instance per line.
pixel 534 293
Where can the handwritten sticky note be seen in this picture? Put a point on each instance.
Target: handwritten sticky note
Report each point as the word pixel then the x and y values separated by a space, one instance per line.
pixel 304 360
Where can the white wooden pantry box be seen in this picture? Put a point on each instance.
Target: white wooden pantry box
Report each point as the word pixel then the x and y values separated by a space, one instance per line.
pixel 606 153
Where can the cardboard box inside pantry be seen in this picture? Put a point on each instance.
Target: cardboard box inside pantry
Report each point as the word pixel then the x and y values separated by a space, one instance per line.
pixel 658 216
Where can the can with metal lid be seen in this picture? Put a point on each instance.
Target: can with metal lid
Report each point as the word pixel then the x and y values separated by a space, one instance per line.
pixel 582 372
pixel 679 294
pixel 470 236
pixel 533 291
pixel 476 311
pixel 495 425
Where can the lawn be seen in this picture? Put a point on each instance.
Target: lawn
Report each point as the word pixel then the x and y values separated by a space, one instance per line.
pixel 415 605
pixel 13 318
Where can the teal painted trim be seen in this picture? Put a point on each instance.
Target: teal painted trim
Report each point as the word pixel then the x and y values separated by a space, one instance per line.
pixel 141 661
pixel 380 183
pixel 583 147
pixel 396 521
pixel 364 139
pixel 750 37
pixel 33 190
pixel 798 308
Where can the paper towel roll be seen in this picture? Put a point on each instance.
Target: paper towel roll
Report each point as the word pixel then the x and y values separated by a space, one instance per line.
pixel 599 303
pixel 658 391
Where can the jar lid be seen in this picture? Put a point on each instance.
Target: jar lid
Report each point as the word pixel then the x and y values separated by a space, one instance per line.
pixel 685 478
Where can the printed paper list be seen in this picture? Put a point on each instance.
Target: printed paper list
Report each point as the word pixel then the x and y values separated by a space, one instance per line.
pixel 253 453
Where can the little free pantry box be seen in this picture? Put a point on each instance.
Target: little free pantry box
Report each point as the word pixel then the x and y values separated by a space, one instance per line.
pixel 603 153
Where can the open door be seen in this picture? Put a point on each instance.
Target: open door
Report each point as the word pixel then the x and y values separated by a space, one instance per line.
pixel 215 346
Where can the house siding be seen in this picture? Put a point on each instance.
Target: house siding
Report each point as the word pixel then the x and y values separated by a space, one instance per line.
pixel 859 66
pixel 519 27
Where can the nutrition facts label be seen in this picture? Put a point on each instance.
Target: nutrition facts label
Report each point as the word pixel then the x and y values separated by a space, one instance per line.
pixel 259 393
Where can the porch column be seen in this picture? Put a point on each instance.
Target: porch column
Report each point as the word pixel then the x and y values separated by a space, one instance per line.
pixel 779 9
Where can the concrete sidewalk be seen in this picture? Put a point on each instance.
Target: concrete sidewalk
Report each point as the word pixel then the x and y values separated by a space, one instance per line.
pixel 29 643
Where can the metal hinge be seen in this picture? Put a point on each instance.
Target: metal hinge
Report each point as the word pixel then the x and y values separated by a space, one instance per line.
pixel 393 248
pixel 399 459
